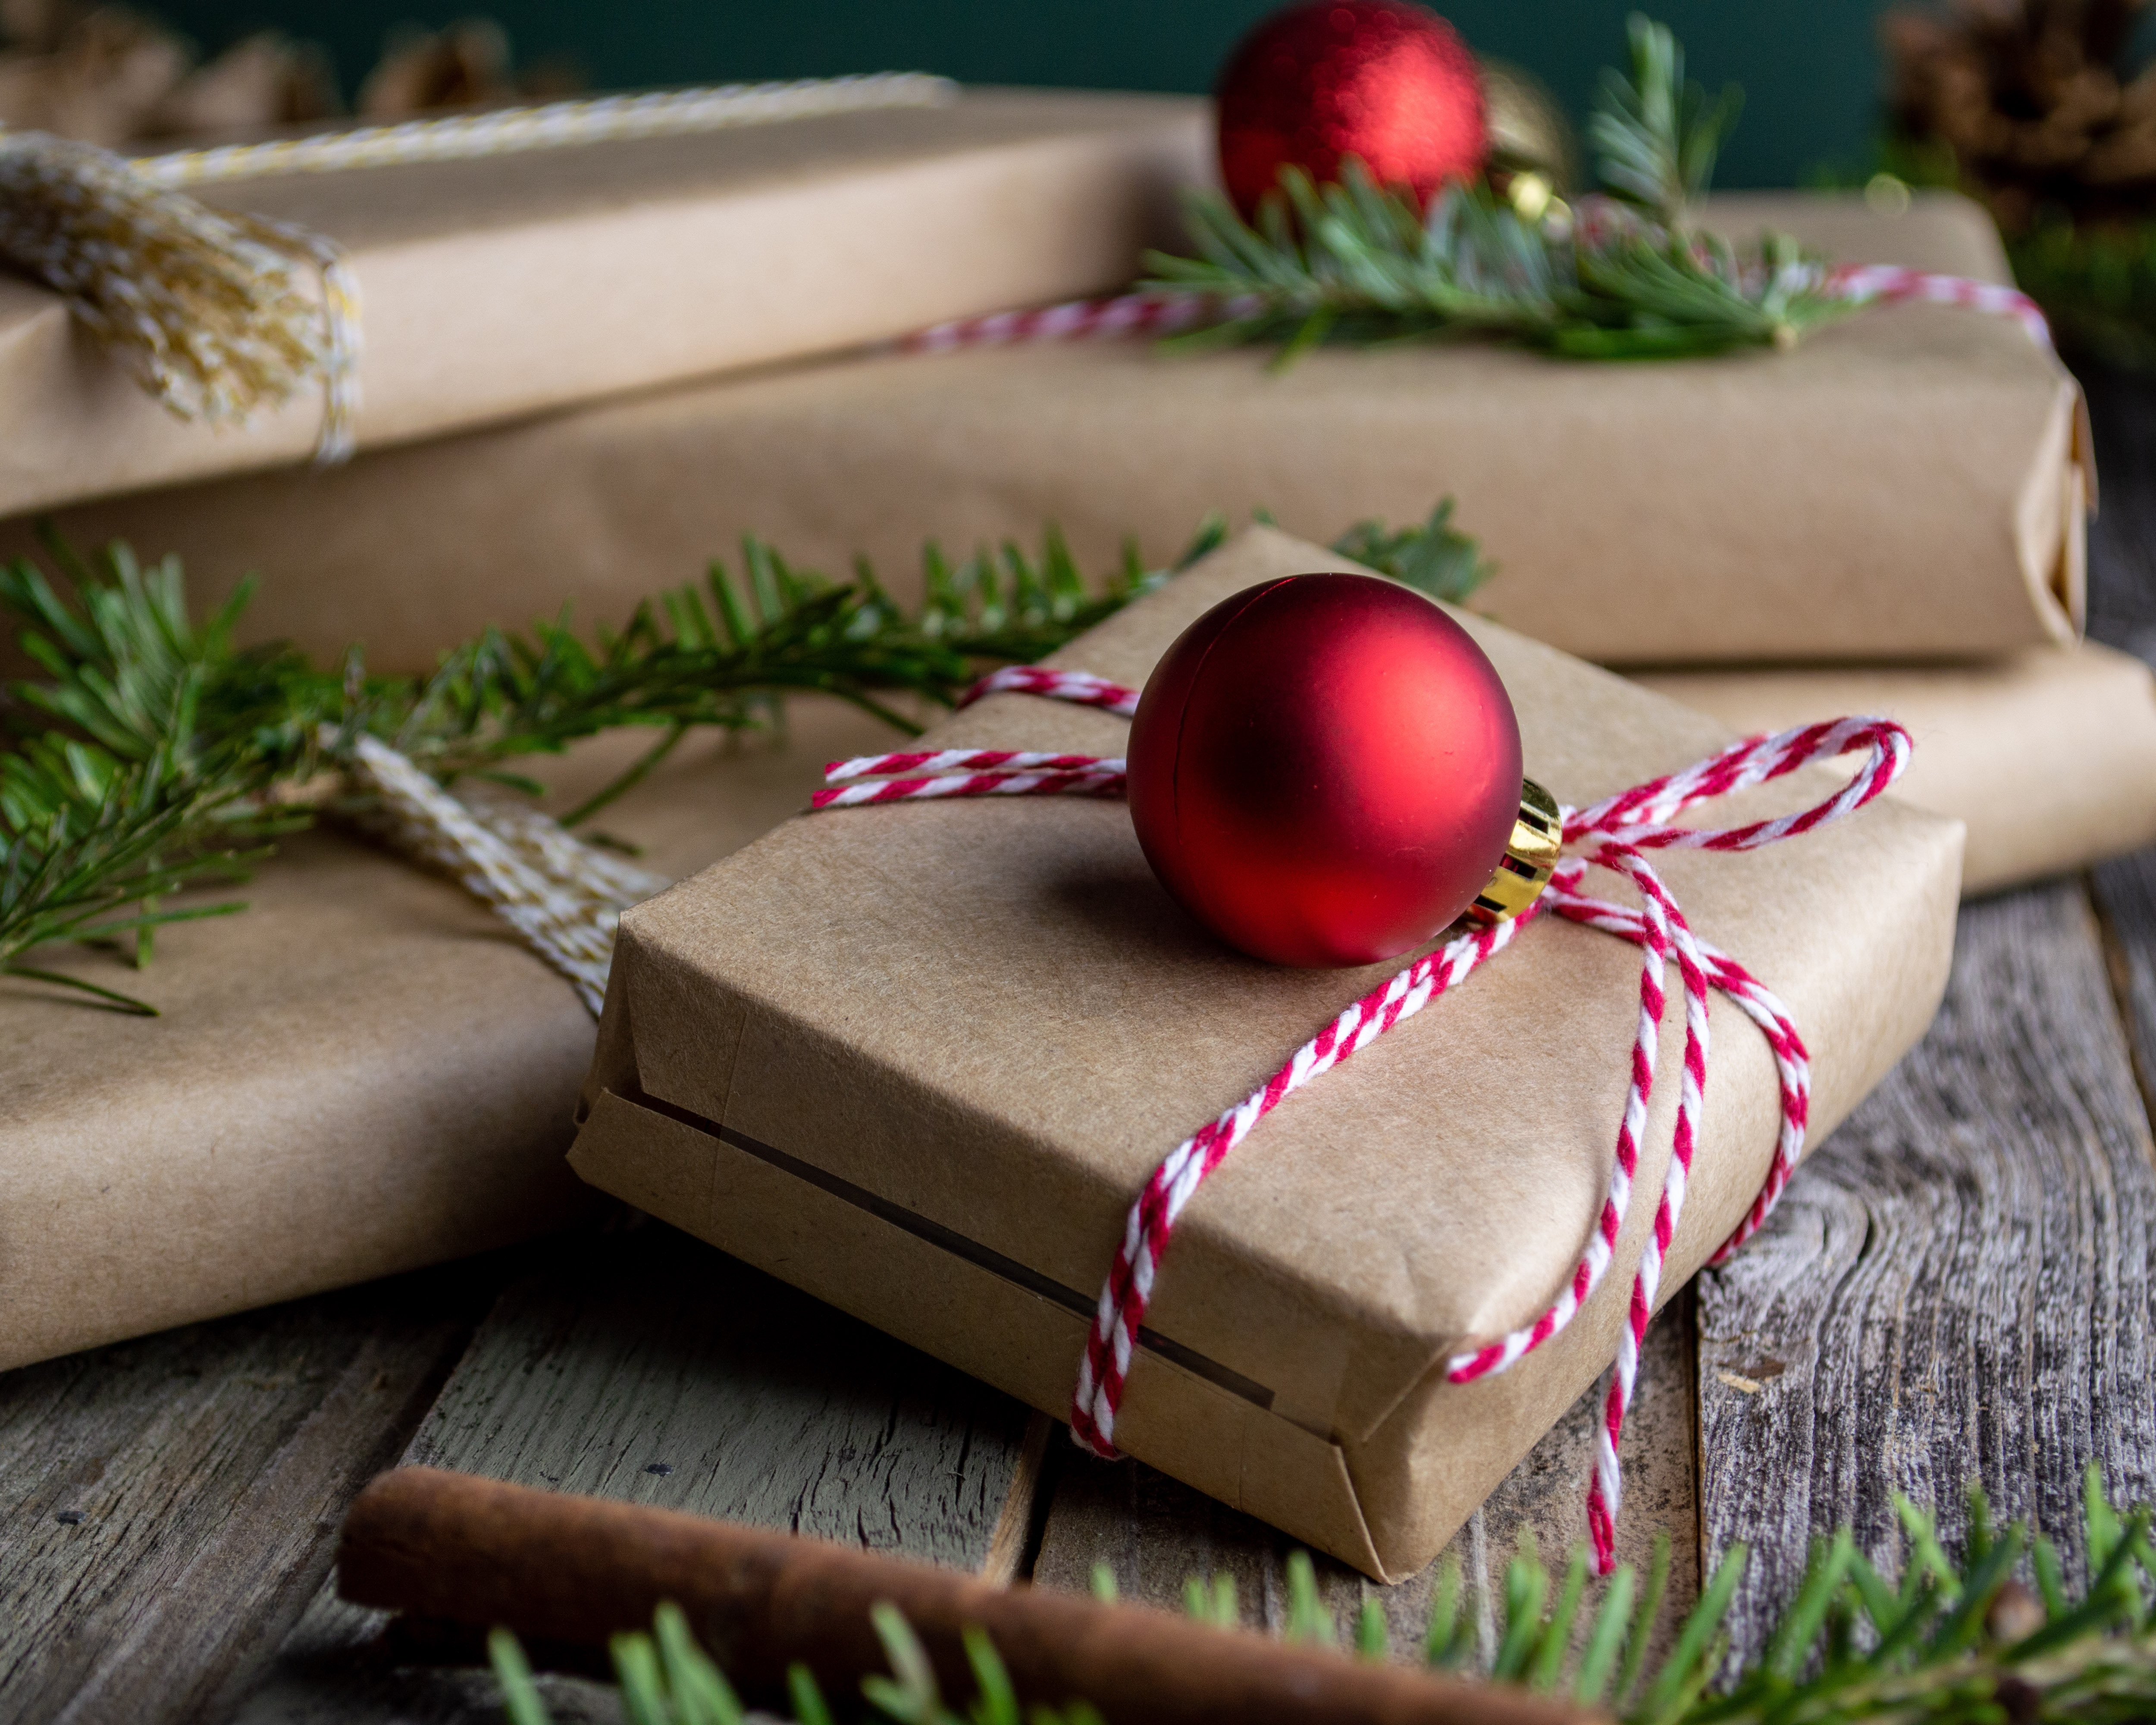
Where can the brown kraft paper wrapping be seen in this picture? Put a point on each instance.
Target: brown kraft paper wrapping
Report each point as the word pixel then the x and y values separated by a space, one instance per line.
pixel 499 287
pixel 918 1060
pixel 2048 756
pixel 1908 484
pixel 362 1073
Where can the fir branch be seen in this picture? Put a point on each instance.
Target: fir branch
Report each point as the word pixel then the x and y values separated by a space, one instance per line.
pixel 1625 277
pixel 154 757
pixel 1655 135
pixel 136 775
pixel 1435 558
pixel 1948 1643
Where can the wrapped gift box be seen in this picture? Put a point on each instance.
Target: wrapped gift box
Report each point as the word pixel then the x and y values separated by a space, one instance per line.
pixel 363 1072
pixel 918 1058
pixel 502 287
pixel 1908 484
pixel 2047 757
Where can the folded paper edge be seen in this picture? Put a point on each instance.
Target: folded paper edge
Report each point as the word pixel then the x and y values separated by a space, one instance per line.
pixel 962 1311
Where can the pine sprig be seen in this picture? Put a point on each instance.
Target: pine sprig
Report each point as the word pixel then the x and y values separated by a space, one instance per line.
pixel 155 756
pixel 1435 558
pixel 135 774
pixel 1655 135
pixel 1625 276
pixel 1948 1642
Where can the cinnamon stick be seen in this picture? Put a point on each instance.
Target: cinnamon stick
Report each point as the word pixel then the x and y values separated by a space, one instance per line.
pixel 579 1570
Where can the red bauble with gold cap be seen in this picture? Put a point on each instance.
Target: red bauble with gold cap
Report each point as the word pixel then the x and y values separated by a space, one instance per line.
pixel 1315 84
pixel 1325 770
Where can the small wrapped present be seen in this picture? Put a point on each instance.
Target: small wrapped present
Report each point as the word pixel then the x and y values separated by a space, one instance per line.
pixel 530 279
pixel 362 1073
pixel 2047 757
pixel 1909 483
pixel 920 1059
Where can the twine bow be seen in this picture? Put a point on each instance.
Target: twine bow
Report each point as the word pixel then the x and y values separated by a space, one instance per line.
pixel 1617 834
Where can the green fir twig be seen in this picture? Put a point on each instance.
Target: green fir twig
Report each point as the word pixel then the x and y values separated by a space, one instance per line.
pixel 1628 275
pixel 155 756
pixel 1952 1642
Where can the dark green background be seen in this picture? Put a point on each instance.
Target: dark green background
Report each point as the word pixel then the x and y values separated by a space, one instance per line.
pixel 1809 68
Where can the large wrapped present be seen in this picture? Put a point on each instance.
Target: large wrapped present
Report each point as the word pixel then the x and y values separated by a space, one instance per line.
pixel 920 1058
pixel 1908 484
pixel 2048 756
pixel 532 279
pixel 362 1073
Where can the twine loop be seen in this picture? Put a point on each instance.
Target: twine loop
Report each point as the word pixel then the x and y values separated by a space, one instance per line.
pixel 1617 835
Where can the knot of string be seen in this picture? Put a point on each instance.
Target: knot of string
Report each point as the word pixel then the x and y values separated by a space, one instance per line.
pixel 1616 835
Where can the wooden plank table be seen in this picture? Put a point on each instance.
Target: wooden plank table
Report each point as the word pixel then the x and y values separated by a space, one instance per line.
pixel 1957 1287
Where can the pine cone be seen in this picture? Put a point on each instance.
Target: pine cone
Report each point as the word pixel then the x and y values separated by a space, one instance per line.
pixel 265 79
pixel 2029 96
pixel 94 75
pixel 464 66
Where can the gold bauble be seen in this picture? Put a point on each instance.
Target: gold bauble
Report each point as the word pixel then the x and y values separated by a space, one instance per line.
pixel 1529 133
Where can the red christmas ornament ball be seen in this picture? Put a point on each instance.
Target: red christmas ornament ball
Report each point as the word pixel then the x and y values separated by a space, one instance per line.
pixel 1313 84
pixel 1325 770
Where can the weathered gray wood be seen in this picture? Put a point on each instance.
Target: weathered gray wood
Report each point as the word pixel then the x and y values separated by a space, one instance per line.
pixel 1956 1284
pixel 650 1368
pixel 647 1366
pixel 172 1503
pixel 2125 893
pixel 331 1672
pixel 1154 1533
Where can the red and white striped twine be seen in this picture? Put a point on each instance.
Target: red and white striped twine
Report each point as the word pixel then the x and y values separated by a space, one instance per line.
pixel 1163 314
pixel 1149 314
pixel 1890 285
pixel 1614 834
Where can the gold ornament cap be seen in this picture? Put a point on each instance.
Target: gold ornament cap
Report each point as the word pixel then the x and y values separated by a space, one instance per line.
pixel 1538 837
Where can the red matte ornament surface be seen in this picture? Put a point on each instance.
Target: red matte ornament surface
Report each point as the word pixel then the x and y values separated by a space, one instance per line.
pixel 1313 84
pixel 1325 770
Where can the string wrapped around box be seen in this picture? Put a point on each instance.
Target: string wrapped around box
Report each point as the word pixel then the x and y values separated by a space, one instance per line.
pixel 563 898
pixel 211 312
pixel 1614 835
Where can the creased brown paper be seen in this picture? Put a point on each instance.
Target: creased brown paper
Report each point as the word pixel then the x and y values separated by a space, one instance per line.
pixel 918 1058
pixel 1906 486
pixel 363 1072
pixel 2047 757
pixel 500 287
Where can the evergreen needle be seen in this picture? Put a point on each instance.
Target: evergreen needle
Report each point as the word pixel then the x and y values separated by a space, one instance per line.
pixel 1626 275
pixel 2085 1661
pixel 154 757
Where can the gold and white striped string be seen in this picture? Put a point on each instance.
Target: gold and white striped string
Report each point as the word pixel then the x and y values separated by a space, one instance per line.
pixel 562 896
pixel 211 310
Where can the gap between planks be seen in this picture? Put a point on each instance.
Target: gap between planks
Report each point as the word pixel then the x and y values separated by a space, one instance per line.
pixel 172 1501
pixel 646 1366
pixel 1957 1283
pixel 1153 1534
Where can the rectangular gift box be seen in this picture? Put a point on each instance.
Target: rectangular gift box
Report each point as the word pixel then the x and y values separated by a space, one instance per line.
pixel 499 287
pixel 362 1073
pixel 918 1058
pixel 1908 484
pixel 2047 757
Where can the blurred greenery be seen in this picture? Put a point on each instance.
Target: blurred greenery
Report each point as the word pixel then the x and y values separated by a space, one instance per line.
pixel 1809 68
